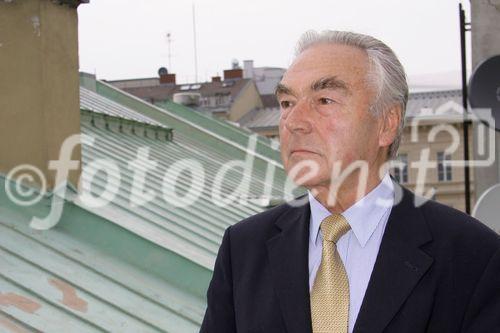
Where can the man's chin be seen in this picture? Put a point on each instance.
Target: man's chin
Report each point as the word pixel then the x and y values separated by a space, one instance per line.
pixel 307 183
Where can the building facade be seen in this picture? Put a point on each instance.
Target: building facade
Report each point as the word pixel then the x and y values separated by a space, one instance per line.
pixel 228 98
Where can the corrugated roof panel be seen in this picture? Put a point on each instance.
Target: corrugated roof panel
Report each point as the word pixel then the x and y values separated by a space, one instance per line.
pixel 190 122
pixel 122 267
pixel 199 226
pixel 52 281
pixel 92 101
pixel 195 231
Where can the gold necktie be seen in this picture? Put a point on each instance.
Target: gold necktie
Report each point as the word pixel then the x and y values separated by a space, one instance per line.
pixel 330 292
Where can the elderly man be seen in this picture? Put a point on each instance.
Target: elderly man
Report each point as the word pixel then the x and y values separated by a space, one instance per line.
pixel 361 255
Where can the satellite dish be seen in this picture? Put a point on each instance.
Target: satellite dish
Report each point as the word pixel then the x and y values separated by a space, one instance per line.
pixel 162 71
pixel 235 64
pixel 486 209
pixel 484 88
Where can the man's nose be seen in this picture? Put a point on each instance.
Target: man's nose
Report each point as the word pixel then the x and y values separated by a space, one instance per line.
pixel 299 118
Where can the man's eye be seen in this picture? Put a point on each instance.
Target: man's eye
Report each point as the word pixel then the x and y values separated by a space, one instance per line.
pixel 285 104
pixel 326 100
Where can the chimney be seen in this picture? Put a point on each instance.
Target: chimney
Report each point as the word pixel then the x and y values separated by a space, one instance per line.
pixel 233 74
pixel 165 76
pixel 39 114
pixel 216 78
pixel 248 69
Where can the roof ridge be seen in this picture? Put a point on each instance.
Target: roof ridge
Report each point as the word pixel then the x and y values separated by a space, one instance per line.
pixel 127 121
pixel 195 125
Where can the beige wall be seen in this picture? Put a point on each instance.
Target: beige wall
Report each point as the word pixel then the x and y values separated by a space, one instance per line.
pixel 248 99
pixel 448 192
pixel 39 84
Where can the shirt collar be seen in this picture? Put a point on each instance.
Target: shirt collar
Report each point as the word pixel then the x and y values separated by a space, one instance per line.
pixel 363 216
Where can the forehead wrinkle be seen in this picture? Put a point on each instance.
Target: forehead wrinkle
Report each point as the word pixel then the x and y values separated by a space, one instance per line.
pixel 327 82
pixel 331 83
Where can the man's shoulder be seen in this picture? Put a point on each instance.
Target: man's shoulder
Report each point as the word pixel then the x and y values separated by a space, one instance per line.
pixel 457 228
pixel 248 237
pixel 261 226
pixel 263 220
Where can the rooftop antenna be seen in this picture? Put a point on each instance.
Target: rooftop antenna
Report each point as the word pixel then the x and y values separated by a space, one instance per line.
pixel 169 41
pixel 195 53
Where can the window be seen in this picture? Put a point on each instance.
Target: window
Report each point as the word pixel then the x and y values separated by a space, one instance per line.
pixel 444 169
pixel 401 171
pixel 228 83
pixel 222 98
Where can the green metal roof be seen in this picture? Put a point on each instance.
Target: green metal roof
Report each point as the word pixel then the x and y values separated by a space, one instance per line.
pixel 90 275
pixel 92 101
pixel 194 231
pixel 120 267
pixel 214 132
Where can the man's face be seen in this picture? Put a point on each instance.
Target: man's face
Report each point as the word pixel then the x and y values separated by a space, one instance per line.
pixel 325 100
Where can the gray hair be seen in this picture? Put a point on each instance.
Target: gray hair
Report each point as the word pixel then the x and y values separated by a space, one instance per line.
pixel 386 72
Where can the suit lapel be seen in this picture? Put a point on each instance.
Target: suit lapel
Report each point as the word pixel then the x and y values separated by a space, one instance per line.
pixel 399 265
pixel 288 256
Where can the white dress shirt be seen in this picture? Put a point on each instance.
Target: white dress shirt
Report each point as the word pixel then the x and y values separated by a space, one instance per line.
pixel 358 248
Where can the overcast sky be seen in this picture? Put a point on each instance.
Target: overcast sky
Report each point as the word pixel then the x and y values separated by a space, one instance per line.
pixel 121 39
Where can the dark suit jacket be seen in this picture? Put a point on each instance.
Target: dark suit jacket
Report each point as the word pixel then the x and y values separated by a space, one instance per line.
pixel 437 270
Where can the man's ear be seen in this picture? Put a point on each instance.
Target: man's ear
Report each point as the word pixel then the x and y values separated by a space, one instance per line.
pixel 389 125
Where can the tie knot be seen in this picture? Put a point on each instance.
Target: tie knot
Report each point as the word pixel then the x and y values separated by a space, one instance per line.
pixel 334 226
